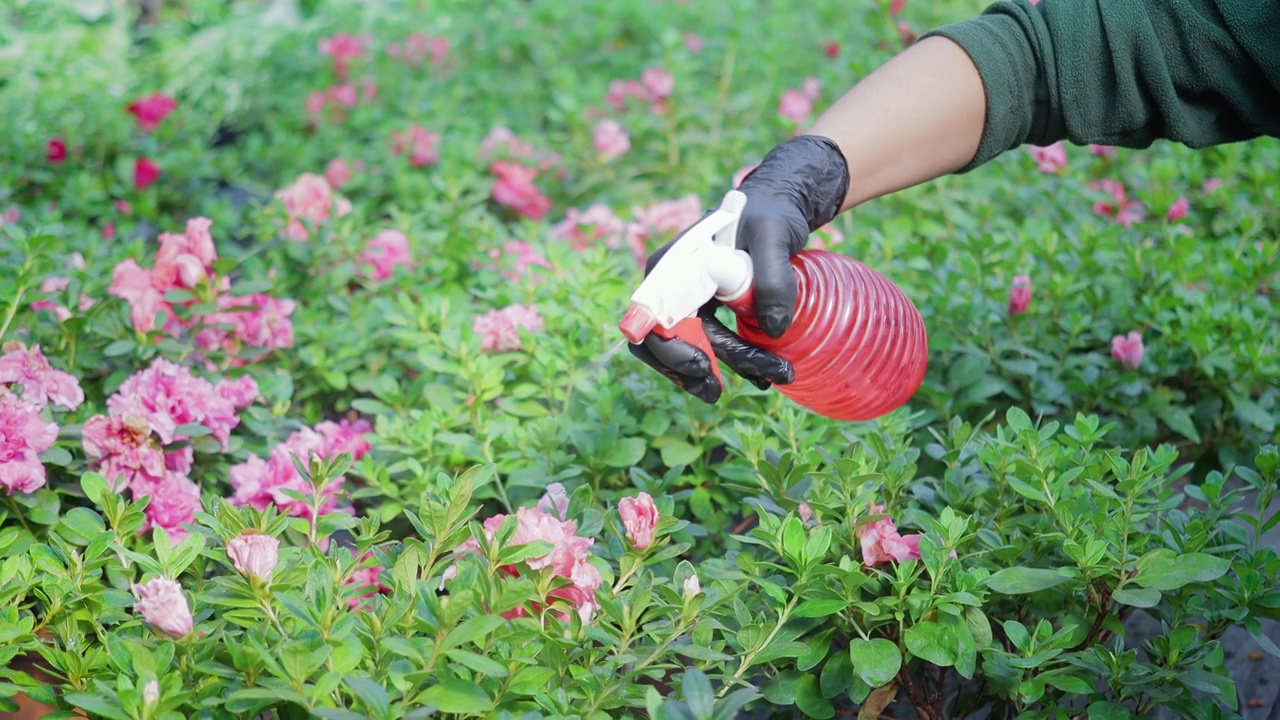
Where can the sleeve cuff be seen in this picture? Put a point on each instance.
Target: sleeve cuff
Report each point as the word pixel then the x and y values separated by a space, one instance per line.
pixel 1000 50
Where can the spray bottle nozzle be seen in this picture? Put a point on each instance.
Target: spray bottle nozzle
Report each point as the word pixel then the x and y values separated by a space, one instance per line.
pixel 704 263
pixel 637 323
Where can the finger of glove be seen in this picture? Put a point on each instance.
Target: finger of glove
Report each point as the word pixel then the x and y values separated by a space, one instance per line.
pixel 705 388
pixel 678 355
pixel 770 242
pixel 760 367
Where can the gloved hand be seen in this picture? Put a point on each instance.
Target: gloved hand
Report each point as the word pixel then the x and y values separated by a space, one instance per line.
pixel 798 187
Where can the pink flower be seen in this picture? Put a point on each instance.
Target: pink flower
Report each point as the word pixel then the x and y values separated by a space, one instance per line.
pixel 161 603
pixel 1103 151
pixel 568 558
pixel 257 320
pixel 555 501
pixel 145 172
pixel 896 6
pixel 123 448
pixel 418 47
pixel 693 42
pixel 658 82
pixel 310 198
pixel 134 285
pixel 241 392
pixel 337 172
pixel 502 139
pixel 1050 159
pixel 499 330
pixel 795 106
pixel 1124 211
pixel 610 140
pixel 368 580
pixel 174 502
pixel 423 146
pixel 185 260
pixel 1128 349
pixel 254 554
pixel 1019 295
pixel 123 207
pixel 812 87
pixel 11 216
pixel 525 258
pixel 55 151
pixel 514 188
pixel 343 48
pixel 150 110
pixel 315 103
pixel 23 436
pixel 662 219
pixel 109 231
pixel 387 250
pixel 742 174
pixel 52 285
pixel 1212 184
pixel 881 542
pixel 640 518
pixel 906 34
pixel 1178 210
pixel 805 512
pixel 261 483
pixel 170 396
pixel 582 228
pixel 41 384
pixel 831 49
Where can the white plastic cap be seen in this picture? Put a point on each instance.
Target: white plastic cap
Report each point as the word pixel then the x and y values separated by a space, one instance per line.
pixel 703 264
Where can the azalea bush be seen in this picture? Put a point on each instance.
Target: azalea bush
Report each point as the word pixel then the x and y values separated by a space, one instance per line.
pixel 313 402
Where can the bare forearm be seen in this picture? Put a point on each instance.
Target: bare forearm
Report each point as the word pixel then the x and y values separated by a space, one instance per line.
pixel 918 117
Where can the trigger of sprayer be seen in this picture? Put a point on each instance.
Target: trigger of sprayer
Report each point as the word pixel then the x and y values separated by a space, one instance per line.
pixel 703 264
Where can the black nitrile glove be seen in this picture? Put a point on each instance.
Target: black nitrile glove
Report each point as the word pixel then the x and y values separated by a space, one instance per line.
pixel 798 187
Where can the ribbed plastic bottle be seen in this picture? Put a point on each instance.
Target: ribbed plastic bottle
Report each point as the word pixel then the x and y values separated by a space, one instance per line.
pixel 857 343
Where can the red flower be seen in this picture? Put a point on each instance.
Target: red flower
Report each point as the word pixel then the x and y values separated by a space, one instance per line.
pixel 145 172
pixel 832 49
pixel 55 151
pixel 152 109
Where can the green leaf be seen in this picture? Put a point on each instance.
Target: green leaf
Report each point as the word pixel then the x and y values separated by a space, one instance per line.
pixel 453 695
pixel 1178 420
pixel 478 663
pixel 1165 570
pixel 876 661
pixel 1137 597
pixel 1023 580
pixel 472 630
pixel 819 607
pixel 373 695
pixel 1102 710
pixel 809 698
pixel 93 486
pixel 698 694
pixel 625 453
pixel 931 642
pixel 1252 412
pixel 1067 683
pixel 97 705
pixel 677 452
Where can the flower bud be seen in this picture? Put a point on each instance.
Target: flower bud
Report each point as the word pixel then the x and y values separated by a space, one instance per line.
pixel 151 693
pixel 692 586
pixel 254 554
pixel 162 604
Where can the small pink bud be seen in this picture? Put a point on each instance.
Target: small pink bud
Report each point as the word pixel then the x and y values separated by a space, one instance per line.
pixel 1128 349
pixel 1020 295
pixel 806 512
pixel 151 693
pixel 555 501
pixel 161 603
pixel 639 517
pixel 1178 209
pixel 254 554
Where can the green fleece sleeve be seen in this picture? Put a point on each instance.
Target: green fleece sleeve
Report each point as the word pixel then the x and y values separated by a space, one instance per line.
pixel 1124 72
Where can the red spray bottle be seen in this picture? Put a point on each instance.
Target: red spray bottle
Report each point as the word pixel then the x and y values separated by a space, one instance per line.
pixel 857 343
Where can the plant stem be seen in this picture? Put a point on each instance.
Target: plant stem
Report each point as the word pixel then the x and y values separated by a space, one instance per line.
pixel 745 663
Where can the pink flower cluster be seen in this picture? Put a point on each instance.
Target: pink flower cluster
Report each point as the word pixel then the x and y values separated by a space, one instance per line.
pixel 580 229
pixel 387 251
pixel 610 139
pixel 658 221
pixel 1019 294
pixel 133 445
pixel 422 145
pixel 185 262
pixel 654 87
pixel 343 48
pixel 881 542
pixel 499 330
pixel 338 98
pixel 261 483
pixel 1050 159
pixel 515 189
pixel 569 558
pixel 503 144
pixel 310 198
pixel 55 284
pixel 418 47
pixel 1121 209
pixel 29 384
pixel 520 256
pixel 796 105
